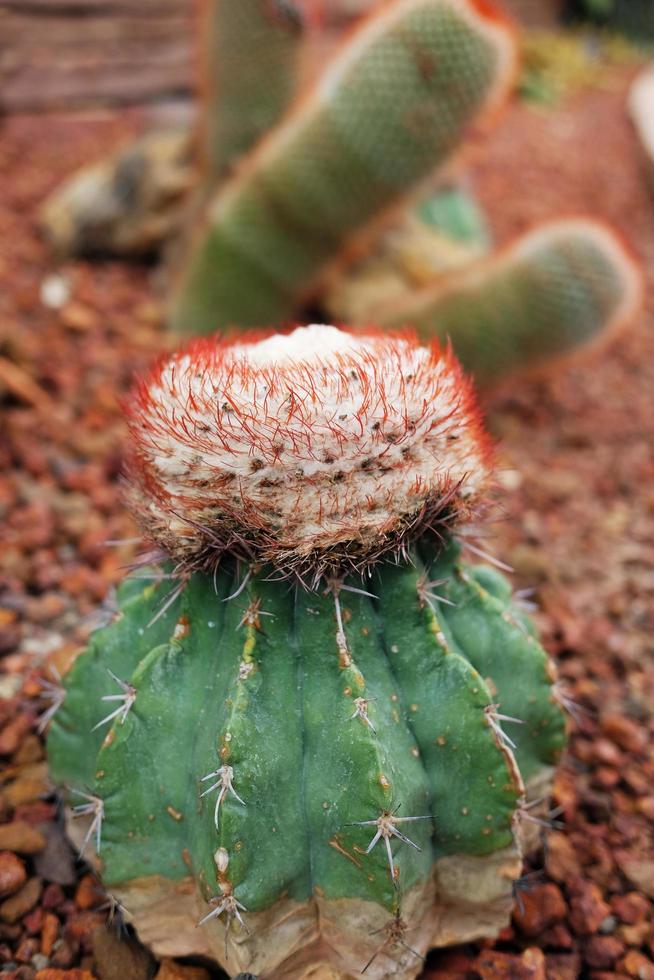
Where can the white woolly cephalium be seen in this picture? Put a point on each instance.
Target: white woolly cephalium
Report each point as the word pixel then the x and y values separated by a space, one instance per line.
pixel 314 450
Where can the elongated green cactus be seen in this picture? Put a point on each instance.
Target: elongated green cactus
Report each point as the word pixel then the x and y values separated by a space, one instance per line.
pixel 309 188
pixel 319 212
pixel 249 53
pixel 553 291
pixel 314 731
pixel 410 81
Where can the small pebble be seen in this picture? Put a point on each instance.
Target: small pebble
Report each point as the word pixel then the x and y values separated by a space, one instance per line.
pixel 587 907
pixel 12 873
pixel 637 965
pixel 495 965
pixel 14 908
pixel 539 907
pixel 54 291
pixel 172 970
pixel 19 836
pixel 601 952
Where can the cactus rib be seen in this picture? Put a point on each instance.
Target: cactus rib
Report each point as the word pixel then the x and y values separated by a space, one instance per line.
pixel 249 65
pixel 304 806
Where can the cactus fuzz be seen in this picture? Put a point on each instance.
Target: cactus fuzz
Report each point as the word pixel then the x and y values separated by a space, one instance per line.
pixel 312 450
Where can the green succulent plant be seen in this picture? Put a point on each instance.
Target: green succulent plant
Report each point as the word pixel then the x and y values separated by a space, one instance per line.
pixel 316 730
pixel 315 181
pixel 311 213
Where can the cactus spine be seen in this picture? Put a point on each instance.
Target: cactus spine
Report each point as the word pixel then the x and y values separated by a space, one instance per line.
pixel 309 171
pixel 326 771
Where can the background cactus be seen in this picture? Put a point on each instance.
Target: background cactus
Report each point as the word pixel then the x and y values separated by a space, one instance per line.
pixel 328 775
pixel 411 79
pixel 243 43
pixel 306 217
pixel 336 205
pixel 542 297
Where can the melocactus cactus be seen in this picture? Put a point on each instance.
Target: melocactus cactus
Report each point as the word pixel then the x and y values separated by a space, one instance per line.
pixel 297 733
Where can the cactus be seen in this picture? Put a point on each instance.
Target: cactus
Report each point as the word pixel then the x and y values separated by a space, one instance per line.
pixel 249 54
pixel 312 158
pixel 314 729
pixel 318 213
pixel 411 79
pixel 541 298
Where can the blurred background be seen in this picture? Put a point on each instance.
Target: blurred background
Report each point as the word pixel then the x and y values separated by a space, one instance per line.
pixel 104 157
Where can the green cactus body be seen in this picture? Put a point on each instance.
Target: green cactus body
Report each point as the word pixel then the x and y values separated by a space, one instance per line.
pixel 413 78
pixel 553 291
pixel 249 52
pixel 264 683
pixel 295 734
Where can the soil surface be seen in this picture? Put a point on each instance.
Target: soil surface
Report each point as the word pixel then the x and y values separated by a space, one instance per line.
pixel 577 471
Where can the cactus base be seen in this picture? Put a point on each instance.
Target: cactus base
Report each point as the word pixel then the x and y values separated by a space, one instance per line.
pixel 466 898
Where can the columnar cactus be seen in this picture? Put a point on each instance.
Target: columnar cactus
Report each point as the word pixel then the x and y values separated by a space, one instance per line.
pixel 390 106
pixel 324 210
pixel 315 729
pixel 541 298
pixel 242 43
pixel 311 185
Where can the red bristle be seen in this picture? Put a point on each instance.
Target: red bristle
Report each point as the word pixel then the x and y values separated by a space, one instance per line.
pixel 302 462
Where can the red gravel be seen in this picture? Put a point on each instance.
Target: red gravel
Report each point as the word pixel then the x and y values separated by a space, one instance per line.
pixel 577 458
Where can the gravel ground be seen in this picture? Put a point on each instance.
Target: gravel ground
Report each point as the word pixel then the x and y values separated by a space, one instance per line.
pixel 577 466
